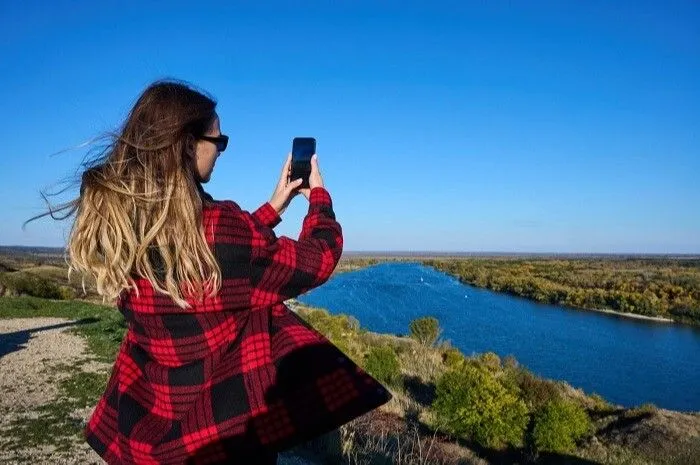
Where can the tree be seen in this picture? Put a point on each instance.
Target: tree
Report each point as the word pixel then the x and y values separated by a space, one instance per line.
pixel 383 364
pixel 425 330
pixel 558 425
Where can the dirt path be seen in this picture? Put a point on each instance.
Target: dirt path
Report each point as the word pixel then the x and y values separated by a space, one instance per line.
pixel 32 353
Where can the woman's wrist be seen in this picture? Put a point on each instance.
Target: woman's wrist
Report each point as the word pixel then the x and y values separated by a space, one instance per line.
pixel 274 205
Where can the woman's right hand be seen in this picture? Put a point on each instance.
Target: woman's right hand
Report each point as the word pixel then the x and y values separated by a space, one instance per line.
pixel 315 179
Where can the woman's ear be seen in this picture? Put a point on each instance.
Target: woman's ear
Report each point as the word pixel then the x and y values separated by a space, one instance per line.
pixel 191 146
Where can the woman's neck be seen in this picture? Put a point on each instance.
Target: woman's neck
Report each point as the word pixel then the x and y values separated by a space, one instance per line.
pixel 203 194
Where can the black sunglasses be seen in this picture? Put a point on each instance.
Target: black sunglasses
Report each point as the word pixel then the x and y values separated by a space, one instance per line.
pixel 220 141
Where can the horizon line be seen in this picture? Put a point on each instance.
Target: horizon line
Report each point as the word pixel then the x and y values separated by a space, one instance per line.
pixel 376 252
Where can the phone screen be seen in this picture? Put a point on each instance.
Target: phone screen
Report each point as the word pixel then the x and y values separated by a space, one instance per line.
pixel 302 149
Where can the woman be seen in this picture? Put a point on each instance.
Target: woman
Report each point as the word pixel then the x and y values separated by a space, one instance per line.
pixel 214 367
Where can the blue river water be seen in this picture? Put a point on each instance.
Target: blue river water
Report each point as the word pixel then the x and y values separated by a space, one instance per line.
pixel 627 361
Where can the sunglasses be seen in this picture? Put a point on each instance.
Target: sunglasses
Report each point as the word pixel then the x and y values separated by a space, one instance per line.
pixel 220 141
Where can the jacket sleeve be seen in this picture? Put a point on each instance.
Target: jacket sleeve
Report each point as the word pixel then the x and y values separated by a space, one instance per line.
pixel 267 215
pixel 282 268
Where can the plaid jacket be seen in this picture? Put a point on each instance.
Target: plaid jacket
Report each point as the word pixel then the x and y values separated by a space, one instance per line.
pixel 240 371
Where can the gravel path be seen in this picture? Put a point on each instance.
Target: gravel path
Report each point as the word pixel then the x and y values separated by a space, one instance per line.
pixel 32 352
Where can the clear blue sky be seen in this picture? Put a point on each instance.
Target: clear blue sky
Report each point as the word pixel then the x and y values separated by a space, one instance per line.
pixel 457 126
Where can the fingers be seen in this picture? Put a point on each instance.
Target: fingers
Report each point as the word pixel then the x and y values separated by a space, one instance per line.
pixel 315 172
pixel 284 175
pixel 287 186
pixel 294 184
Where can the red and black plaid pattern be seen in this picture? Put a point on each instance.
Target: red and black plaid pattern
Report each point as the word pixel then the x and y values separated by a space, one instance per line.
pixel 240 372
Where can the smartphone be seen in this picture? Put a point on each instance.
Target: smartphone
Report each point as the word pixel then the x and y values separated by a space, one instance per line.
pixel 302 149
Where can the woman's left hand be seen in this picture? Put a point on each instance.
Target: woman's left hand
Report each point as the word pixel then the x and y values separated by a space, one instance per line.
pixel 285 190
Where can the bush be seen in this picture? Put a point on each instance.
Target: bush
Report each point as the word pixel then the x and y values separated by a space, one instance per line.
pixel 383 364
pixel 491 361
pixel 453 358
pixel 536 392
pixel 558 425
pixel 425 330
pixel 29 284
pixel 66 293
pixel 339 329
pixel 473 403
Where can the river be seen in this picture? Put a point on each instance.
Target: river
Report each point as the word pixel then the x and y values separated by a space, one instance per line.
pixel 627 361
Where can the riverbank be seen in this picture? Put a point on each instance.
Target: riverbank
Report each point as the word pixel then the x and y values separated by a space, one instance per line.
pixel 359 262
pixel 659 288
pixel 633 316
pixel 641 435
pixel 662 290
pixel 608 354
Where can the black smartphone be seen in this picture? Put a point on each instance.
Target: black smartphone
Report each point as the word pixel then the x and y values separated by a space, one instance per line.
pixel 302 149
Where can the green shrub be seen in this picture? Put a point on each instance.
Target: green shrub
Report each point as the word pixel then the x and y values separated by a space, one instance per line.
pixel 339 329
pixel 491 361
pixel 558 425
pixel 66 293
pixel 383 364
pixel 29 284
pixel 473 403
pixel 425 330
pixel 453 358
pixel 536 392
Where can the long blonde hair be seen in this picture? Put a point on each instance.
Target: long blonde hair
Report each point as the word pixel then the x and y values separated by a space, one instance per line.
pixel 140 201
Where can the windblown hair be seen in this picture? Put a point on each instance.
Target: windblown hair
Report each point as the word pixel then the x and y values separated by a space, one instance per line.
pixel 139 211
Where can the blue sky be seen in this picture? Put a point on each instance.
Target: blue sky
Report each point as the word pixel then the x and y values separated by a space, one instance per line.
pixel 446 126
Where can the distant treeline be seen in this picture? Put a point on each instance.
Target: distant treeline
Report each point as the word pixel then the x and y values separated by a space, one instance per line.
pixel 652 287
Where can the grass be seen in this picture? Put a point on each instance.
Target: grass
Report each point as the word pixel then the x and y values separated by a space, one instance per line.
pixel 57 424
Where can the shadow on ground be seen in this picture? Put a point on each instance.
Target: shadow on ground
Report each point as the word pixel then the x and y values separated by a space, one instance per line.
pixel 12 342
